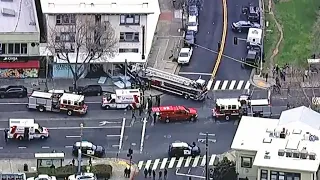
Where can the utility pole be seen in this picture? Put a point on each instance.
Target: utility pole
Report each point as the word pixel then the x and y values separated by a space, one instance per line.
pixel 125 73
pixel 47 68
pixel 143 42
pixel 207 161
pixel 206 140
pixel 79 150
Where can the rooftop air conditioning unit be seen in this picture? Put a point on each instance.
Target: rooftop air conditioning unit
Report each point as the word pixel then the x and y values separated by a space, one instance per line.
pixel 8 12
pixel 266 155
pixel 281 152
pixel 288 153
pixel 296 154
pixel 312 156
pixel 7 0
pixel 304 153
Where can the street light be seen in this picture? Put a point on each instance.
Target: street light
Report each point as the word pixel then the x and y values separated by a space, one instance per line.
pixel 79 150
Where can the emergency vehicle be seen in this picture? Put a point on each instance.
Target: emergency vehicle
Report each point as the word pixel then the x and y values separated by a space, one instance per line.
pixel 26 129
pixel 242 106
pixel 171 83
pixel 122 99
pixel 46 101
pixel 175 113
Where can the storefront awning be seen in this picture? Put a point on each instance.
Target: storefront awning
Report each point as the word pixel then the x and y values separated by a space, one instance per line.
pixel 20 65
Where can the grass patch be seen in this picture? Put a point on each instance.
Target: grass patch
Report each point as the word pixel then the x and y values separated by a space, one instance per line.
pixel 297 18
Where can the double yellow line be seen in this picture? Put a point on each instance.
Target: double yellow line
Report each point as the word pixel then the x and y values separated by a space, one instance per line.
pixel 223 39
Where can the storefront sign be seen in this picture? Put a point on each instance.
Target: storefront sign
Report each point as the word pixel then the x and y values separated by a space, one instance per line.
pixel 10 58
pixel 19 58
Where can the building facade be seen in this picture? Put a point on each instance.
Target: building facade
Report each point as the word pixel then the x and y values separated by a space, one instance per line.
pixel 19 39
pixel 279 149
pixel 134 24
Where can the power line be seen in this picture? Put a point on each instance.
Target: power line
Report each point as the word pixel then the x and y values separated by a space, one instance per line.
pixel 19 15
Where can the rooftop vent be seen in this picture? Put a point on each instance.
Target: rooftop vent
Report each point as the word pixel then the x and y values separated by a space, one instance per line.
pixel 288 153
pixel 281 152
pixel 266 155
pixel 267 140
pixel 7 0
pixel 296 154
pixel 8 12
pixel 283 133
pixel 312 156
pixel 297 131
pixel 32 23
pixel 145 5
pixel 303 153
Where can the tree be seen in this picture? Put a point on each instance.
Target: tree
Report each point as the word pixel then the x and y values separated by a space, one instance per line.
pixel 316 35
pixel 81 43
pixel 225 170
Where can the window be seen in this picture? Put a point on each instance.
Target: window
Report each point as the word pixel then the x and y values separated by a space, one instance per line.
pixel 24 48
pixel 66 37
pixel 263 174
pixel 128 50
pixel 129 19
pixel 3 48
pixel 129 37
pixel 275 175
pixel 10 48
pixel 17 48
pixel 62 19
pixel 246 162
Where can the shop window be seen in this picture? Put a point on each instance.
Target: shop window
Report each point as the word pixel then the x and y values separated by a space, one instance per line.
pixel 3 48
pixel 128 50
pixel 281 176
pixel 246 162
pixel 234 107
pixel 17 48
pixel 65 37
pixel 273 175
pixel 10 48
pixel 63 19
pixel 129 37
pixel 24 48
pixel 129 19
pixel 263 175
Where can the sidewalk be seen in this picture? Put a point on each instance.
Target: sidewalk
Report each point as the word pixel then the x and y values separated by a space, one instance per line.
pixel 118 166
pixel 261 82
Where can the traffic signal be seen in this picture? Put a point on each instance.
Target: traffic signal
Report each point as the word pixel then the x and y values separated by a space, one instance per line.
pixel 235 40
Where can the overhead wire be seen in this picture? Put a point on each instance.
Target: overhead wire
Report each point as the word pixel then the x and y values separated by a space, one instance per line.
pixel 19 15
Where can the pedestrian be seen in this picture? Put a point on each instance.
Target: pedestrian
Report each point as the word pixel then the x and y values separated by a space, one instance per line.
pixel 277 69
pixel 133 113
pixel 73 162
pixel 165 174
pixel 267 77
pixel 145 172
pixel 125 172
pixel 149 171
pixel 158 101
pixel 153 174
pixel 154 117
pixel 160 174
pixel 129 173
pixel 140 110
pixel 149 112
pixel 288 105
pixel 6 135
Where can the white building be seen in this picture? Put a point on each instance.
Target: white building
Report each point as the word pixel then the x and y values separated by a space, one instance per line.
pixel 128 19
pixel 279 149
pixel 19 39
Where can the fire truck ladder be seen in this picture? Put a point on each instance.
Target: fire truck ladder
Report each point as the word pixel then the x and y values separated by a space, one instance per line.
pixel 168 76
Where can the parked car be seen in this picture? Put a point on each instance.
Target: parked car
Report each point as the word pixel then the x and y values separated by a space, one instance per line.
pixel 43 177
pixel 252 13
pixel 190 38
pixel 193 23
pixel 13 92
pixel 83 176
pixel 193 10
pixel 185 55
pixel 90 90
pixel 244 26
pixel 182 149
pixel 88 149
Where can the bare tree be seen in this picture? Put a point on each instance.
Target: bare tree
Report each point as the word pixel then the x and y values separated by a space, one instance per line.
pixel 82 43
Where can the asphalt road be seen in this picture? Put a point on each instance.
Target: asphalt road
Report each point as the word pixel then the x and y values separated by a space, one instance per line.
pixel 210 31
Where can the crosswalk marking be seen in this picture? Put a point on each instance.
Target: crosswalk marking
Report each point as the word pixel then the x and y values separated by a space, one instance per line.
pixel 148 164
pixel 195 161
pixel 163 164
pixel 180 162
pixel 140 164
pixel 247 85
pixel 224 85
pixel 216 85
pixel 203 162
pixel 240 84
pixel 212 159
pixel 155 164
pixel 233 83
pixel 172 162
pixel 188 161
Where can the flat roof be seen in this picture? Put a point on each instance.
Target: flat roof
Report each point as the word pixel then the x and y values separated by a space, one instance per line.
pixel 100 6
pixel 262 135
pixel 18 16
pixel 72 97
pixel 46 95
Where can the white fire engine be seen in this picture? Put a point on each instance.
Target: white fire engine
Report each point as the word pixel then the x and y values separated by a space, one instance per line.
pixel 26 129
pixel 242 106
pixel 122 99
pixel 46 101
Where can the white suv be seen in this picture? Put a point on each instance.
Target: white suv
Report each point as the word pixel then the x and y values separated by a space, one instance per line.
pixel 185 55
pixel 193 23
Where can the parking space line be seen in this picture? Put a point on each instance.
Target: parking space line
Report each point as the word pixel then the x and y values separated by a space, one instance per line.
pixel 1 147
pixel 203 162
pixel 68 146
pixel 195 161
pixel 155 164
pixel 188 161
pixel 140 164
pixel 180 162
pixel 45 147
pixel 172 161
pixel 143 132
pixel 115 145
pixel 22 147
pixel 113 135
pixel 73 136
pixel 122 133
pixel 148 164
pixel 163 164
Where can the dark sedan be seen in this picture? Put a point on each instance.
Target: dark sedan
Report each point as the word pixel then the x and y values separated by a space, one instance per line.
pixel 244 26
pixel 88 149
pixel 13 92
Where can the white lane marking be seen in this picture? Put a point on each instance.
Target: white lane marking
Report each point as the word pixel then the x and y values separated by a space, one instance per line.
pixel 148 164
pixel 122 134
pixel 140 164
pixel 115 146
pixel 209 84
pixel 68 146
pixel 188 161
pixel 45 147
pixel 194 73
pixel 212 159
pixel 195 161
pixel 240 85
pixel 143 133
pixel 163 164
pixel 224 85
pixel 233 83
pixel 203 162
pixel 22 147
pixel 113 135
pixel 180 162
pixel 247 85
pixel 73 136
pixel 155 164
pixel 1 147
pixel 172 161
pixel 216 85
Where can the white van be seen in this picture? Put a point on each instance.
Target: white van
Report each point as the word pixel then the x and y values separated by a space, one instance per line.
pixel 193 23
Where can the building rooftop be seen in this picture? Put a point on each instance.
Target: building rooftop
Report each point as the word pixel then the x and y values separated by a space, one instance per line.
pixel 100 6
pixel 291 142
pixel 18 16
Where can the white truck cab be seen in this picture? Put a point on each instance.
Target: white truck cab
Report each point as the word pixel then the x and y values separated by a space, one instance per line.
pixel 122 99
pixel 26 129
pixel 254 37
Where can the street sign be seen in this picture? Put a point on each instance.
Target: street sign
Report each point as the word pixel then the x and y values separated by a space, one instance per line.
pixel 209 140
pixel 204 134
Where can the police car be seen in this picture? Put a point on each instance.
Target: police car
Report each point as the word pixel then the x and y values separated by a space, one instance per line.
pixel 87 148
pixel 181 149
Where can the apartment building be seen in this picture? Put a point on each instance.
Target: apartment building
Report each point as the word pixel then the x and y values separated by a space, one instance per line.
pixel 134 23
pixel 279 149
pixel 19 39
